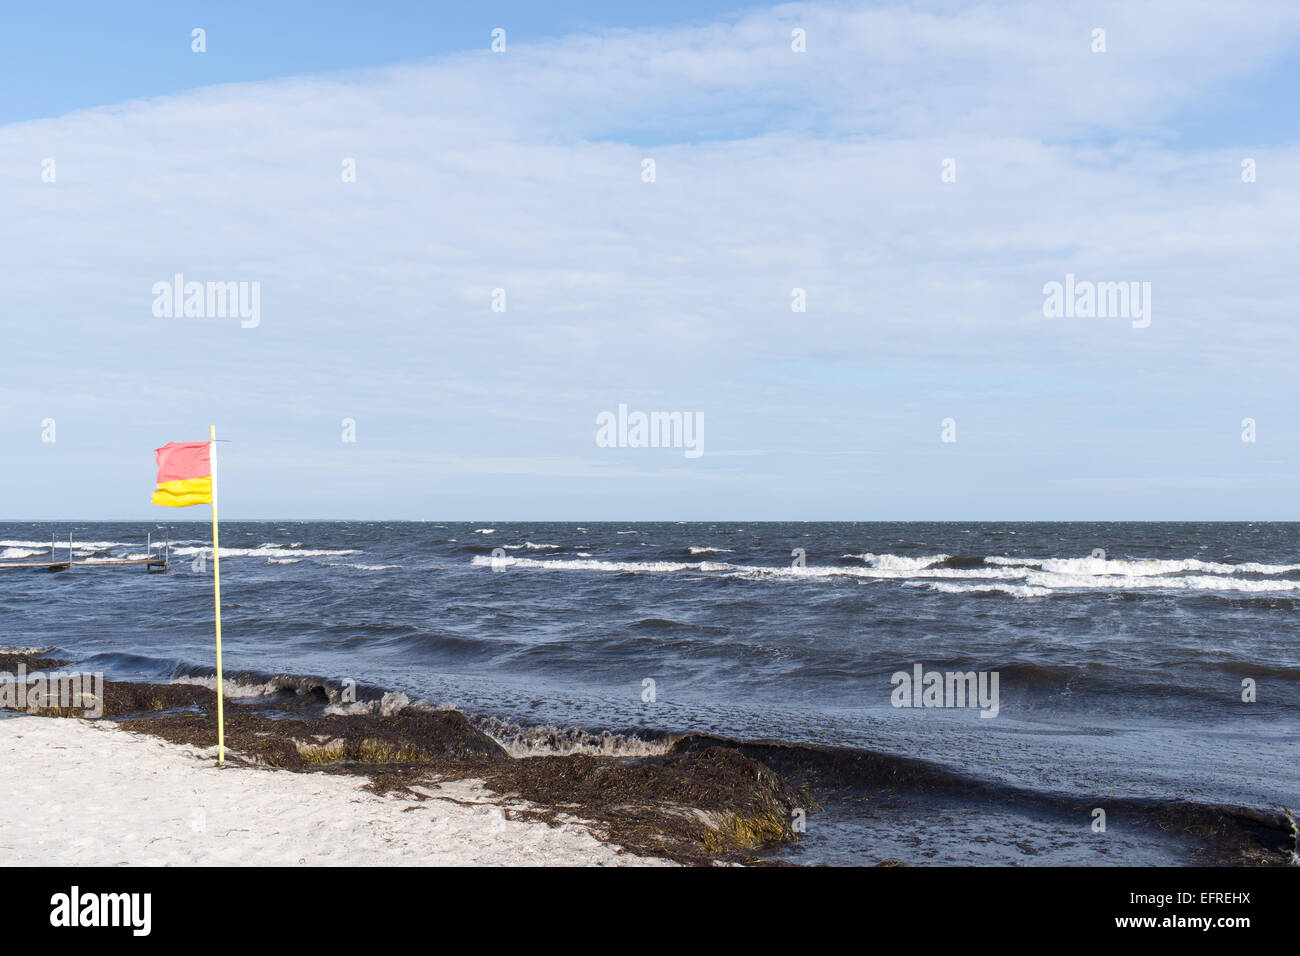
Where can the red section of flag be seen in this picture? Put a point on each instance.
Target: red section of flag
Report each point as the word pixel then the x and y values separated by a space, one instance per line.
pixel 185 459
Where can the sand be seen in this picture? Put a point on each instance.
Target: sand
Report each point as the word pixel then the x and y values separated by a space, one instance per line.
pixel 78 792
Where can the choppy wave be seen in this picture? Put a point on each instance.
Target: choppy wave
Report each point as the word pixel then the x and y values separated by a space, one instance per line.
pixel 895 562
pixel 234 687
pixel 1140 566
pixel 266 551
pixel 657 623
pixel 987 587
pixel 330 694
pixel 1202 582
pixel 520 741
pixel 1033 577
pixel 80 545
pixel 15 553
pixel 648 567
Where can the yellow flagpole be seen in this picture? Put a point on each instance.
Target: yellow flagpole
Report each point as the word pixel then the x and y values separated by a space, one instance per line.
pixel 216 591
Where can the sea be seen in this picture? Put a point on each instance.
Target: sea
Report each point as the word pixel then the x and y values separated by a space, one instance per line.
pixel 1109 662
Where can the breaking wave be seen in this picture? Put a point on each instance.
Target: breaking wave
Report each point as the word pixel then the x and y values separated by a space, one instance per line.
pixel 1016 577
pixel 894 562
pixel 1139 567
pixel 1015 590
pixel 265 551
pixel 14 553
pixel 518 740
pixel 545 741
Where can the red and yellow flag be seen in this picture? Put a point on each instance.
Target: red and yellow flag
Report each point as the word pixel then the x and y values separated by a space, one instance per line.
pixel 187 475
pixel 184 474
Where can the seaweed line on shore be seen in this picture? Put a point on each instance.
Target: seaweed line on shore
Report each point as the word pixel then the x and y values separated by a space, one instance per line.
pixel 691 798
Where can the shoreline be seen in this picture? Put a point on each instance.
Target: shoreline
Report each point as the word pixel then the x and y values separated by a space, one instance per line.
pixel 688 798
pixel 698 806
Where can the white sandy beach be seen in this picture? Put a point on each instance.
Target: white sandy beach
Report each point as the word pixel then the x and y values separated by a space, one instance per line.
pixel 84 793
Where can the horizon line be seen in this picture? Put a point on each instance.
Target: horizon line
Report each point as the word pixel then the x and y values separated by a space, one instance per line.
pixel 208 521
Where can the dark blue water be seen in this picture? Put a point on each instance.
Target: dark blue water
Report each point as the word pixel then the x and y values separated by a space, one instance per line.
pixel 1118 674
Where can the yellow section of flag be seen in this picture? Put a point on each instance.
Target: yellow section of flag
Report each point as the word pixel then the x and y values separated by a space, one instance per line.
pixel 183 493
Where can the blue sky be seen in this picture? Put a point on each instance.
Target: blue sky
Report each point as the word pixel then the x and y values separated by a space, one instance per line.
pixel 93 54
pixel 775 171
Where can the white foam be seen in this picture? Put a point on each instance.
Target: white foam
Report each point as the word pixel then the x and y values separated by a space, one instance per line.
pixel 695 550
pixel 1202 582
pixel 265 551
pixel 740 570
pixel 391 703
pixel 230 688
pixel 1015 590
pixel 1023 580
pixel 896 562
pixel 557 742
pixel 647 567
pixel 22 553
pixel 63 543
pixel 1140 567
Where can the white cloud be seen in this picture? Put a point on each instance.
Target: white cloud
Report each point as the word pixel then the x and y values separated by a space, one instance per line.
pixel 775 171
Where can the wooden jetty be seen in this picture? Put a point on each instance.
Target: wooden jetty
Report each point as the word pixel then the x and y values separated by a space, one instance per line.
pixel 152 563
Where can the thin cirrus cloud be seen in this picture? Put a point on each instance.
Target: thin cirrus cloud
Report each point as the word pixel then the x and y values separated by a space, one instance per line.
pixel 774 171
